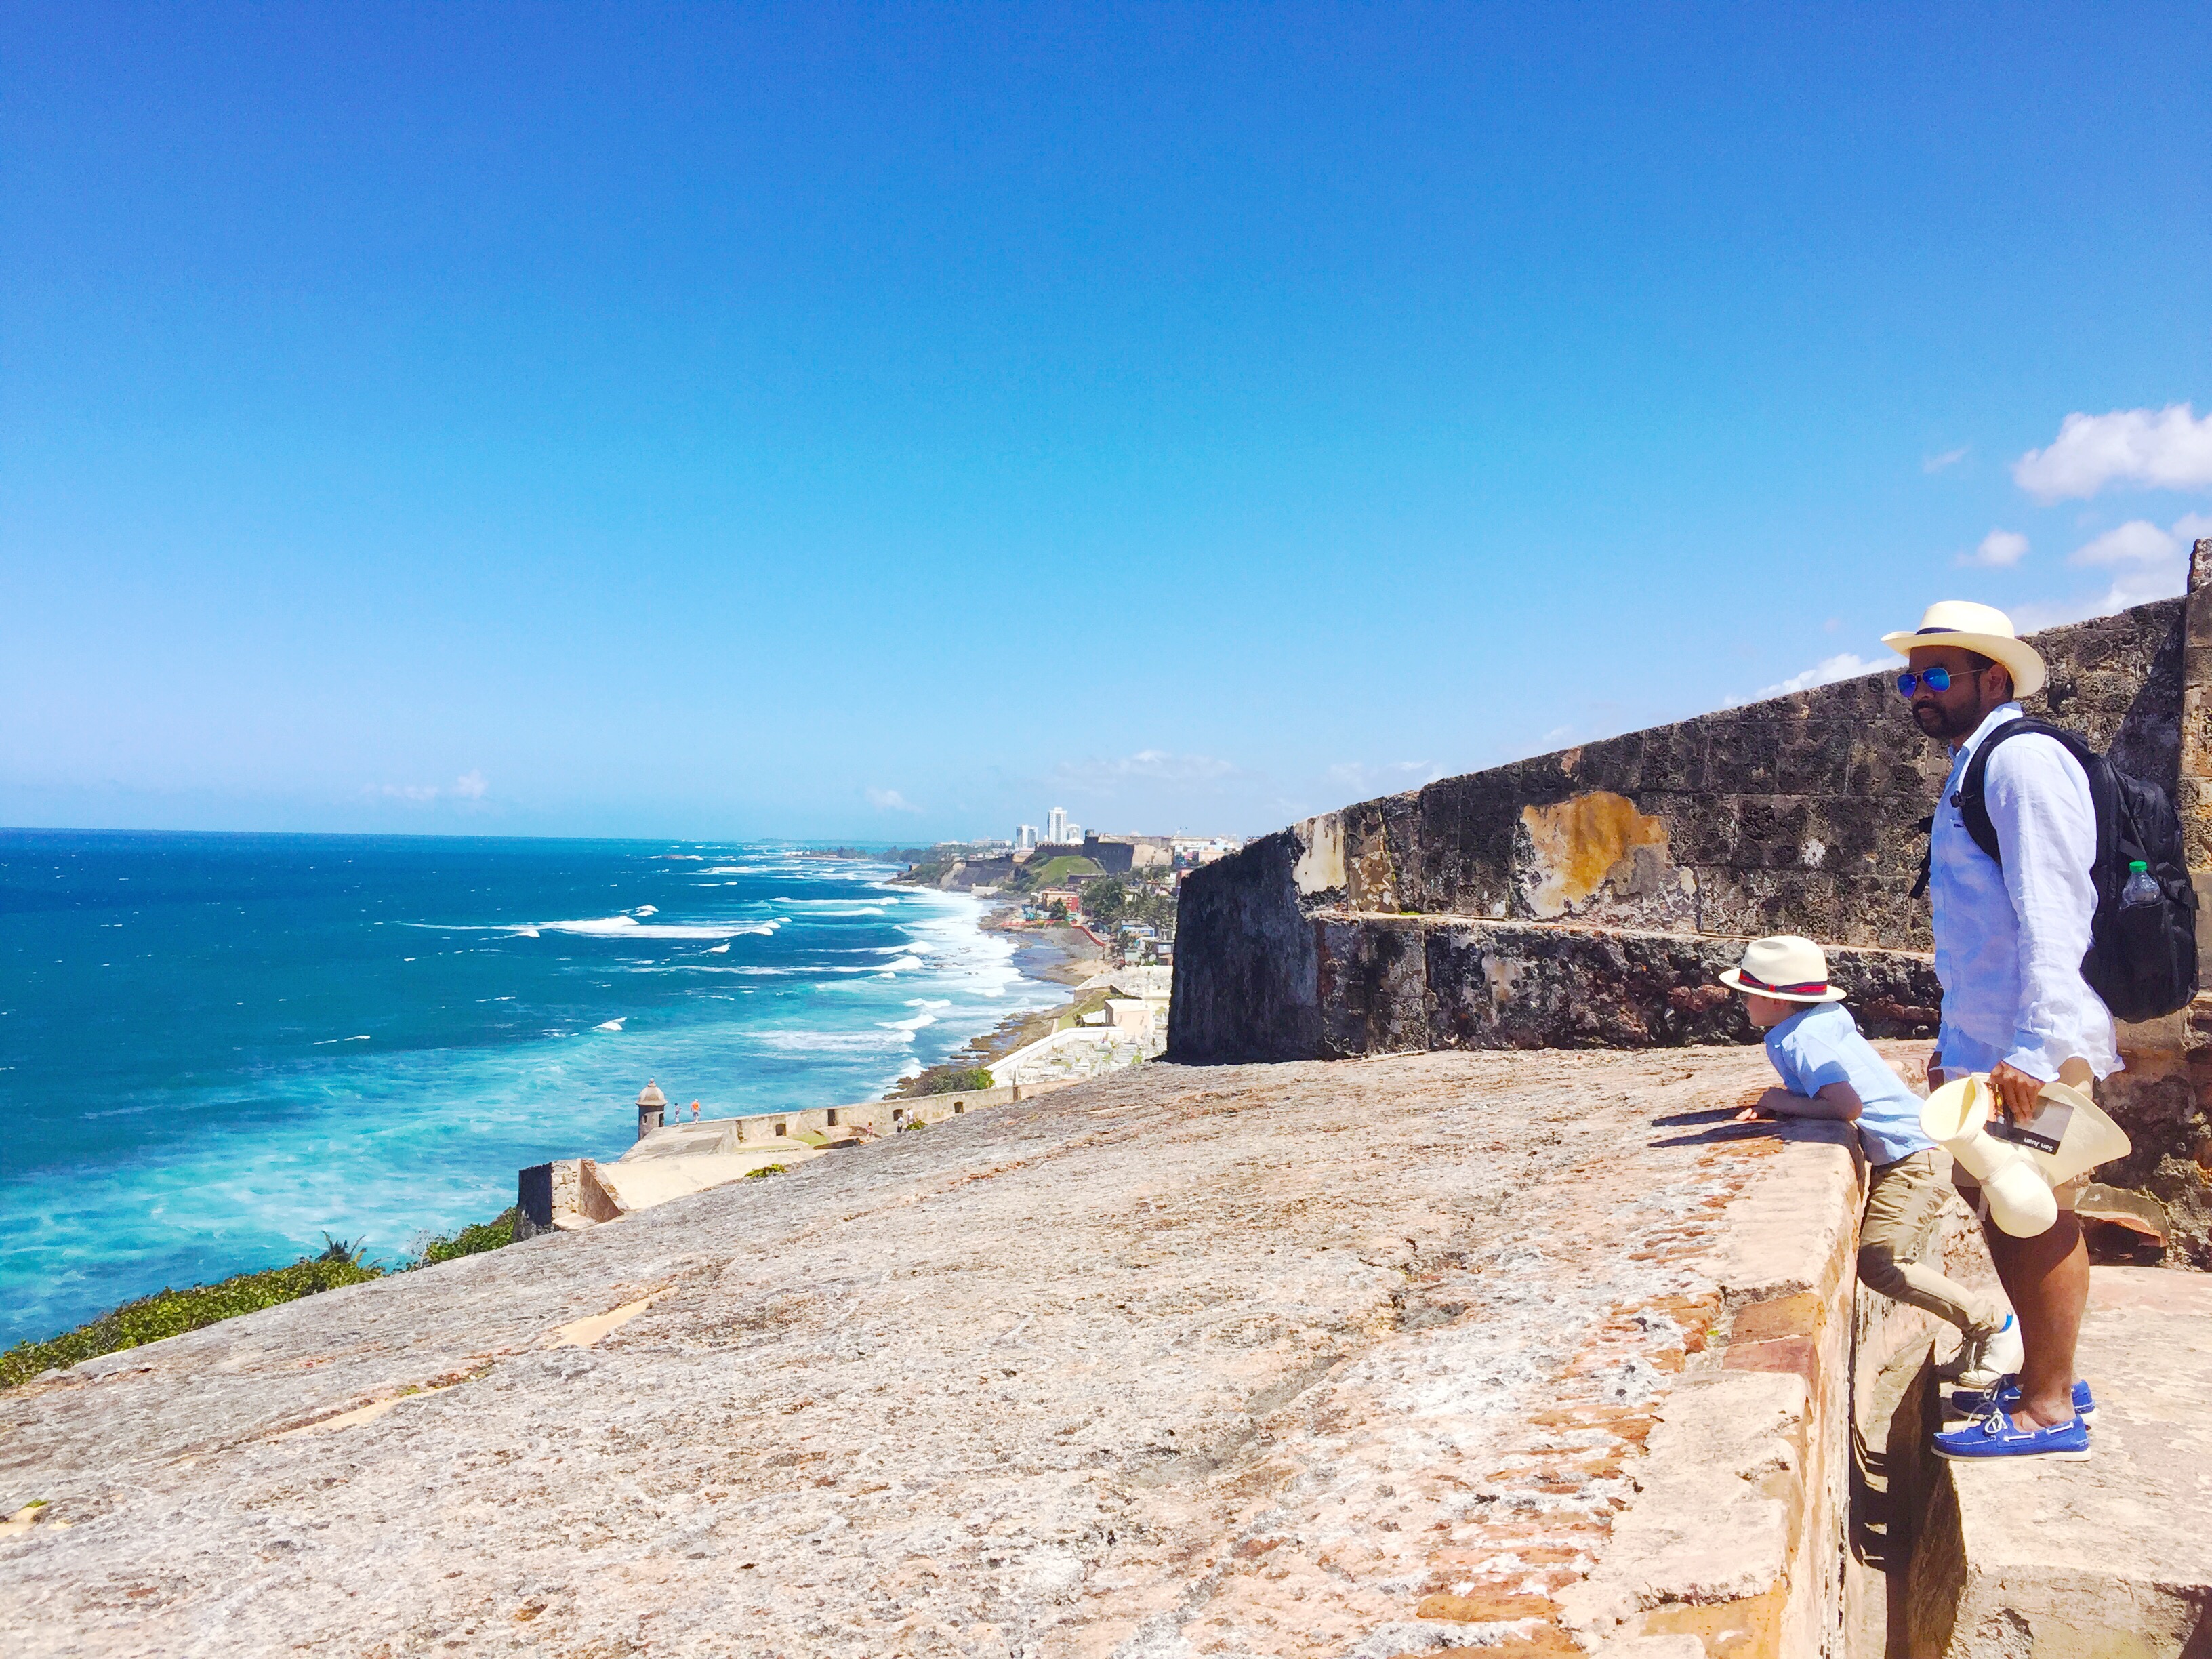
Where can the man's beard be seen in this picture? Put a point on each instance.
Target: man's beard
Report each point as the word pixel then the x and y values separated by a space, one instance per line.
pixel 1934 721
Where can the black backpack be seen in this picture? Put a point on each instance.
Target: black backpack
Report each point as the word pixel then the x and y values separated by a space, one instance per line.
pixel 2142 961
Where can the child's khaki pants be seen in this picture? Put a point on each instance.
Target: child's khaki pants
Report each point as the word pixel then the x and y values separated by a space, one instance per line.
pixel 1902 1201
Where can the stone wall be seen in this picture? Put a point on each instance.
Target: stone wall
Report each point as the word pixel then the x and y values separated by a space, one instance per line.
pixel 561 1196
pixel 679 1160
pixel 2164 1098
pixel 1798 814
pixel 1586 897
pixel 1391 983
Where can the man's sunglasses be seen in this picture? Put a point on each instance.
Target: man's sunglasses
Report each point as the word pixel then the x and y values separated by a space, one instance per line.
pixel 1935 679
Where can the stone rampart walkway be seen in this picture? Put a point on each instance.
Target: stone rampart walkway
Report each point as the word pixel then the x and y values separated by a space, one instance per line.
pixel 2110 1556
pixel 1412 1355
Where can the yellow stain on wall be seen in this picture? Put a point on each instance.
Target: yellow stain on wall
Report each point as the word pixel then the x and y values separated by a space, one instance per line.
pixel 1579 842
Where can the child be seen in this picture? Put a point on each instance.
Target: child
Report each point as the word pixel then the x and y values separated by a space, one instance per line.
pixel 1829 1071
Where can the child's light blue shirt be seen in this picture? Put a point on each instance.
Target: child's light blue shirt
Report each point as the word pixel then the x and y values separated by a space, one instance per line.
pixel 1822 1045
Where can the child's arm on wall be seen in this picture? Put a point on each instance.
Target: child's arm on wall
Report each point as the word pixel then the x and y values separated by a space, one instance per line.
pixel 1838 1102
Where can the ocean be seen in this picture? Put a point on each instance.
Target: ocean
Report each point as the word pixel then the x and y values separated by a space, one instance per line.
pixel 215 1048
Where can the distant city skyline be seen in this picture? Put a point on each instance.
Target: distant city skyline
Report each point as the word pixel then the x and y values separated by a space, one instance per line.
pixel 824 422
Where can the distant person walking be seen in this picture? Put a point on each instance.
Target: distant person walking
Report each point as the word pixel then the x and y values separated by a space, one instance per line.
pixel 2010 935
pixel 695 1111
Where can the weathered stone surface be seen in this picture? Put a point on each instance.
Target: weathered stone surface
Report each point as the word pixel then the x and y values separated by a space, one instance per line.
pixel 1496 985
pixel 1256 950
pixel 2165 1100
pixel 1323 1359
pixel 1795 815
pixel 1389 984
pixel 2113 1556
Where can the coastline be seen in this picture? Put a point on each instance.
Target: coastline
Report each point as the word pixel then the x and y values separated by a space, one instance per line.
pixel 368 1036
pixel 1053 955
pixel 1053 952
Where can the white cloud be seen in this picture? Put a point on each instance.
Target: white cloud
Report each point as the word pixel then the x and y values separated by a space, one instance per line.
pixel 2137 542
pixel 2151 564
pixel 1948 458
pixel 1999 550
pixel 889 800
pixel 470 786
pixel 1843 666
pixel 1390 776
pixel 2170 449
pixel 2038 614
pixel 1146 765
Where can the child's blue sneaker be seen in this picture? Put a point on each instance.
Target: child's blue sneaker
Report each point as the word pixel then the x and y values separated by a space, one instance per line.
pixel 1997 1436
pixel 2005 1397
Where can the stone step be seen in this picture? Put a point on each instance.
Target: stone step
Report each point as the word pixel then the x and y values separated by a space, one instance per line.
pixel 2109 1557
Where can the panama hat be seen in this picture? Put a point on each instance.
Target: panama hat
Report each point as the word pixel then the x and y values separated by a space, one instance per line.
pixel 1786 966
pixel 1978 627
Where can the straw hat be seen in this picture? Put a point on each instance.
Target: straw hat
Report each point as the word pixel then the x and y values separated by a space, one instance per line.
pixel 1786 966
pixel 1978 627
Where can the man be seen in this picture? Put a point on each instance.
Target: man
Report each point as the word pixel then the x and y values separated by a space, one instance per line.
pixel 2011 934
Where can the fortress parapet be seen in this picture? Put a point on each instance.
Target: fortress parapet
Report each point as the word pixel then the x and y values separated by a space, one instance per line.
pixel 672 1160
pixel 1585 898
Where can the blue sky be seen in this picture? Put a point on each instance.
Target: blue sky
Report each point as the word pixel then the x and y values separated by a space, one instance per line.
pixel 890 423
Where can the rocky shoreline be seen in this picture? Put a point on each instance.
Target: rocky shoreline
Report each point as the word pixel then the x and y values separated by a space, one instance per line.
pixel 1054 954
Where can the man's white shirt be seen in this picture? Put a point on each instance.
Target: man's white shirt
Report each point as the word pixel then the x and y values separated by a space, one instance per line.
pixel 2009 941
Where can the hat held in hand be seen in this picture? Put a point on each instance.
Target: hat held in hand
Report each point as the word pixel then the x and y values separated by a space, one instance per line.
pixel 1785 966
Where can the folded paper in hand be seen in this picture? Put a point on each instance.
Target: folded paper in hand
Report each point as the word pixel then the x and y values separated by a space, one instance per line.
pixel 2069 1134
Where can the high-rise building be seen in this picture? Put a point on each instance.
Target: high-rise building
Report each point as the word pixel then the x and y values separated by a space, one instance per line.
pixel 1055 827
pixel 1025 838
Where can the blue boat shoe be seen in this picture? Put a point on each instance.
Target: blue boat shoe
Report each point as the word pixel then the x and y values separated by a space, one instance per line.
pixel 2005 1397
pixel 1997 1436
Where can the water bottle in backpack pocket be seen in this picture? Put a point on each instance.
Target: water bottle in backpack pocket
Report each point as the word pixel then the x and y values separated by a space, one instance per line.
pixel 2141 888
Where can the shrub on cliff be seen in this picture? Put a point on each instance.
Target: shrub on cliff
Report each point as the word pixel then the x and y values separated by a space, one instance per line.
pixel 171 1313
pixel 958 1081
pixel 493 1235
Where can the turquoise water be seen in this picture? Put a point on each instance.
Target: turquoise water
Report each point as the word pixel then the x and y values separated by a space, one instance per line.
pixel 214 1049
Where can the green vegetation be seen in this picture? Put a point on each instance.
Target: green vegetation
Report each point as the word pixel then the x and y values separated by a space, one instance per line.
pixel 957 1080
pixel 171 1313
pixel 764 1172
pixel 1104 900
pixel 493 1235
pixel 1057 871
pixel 964 1074
pixel 1113 900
